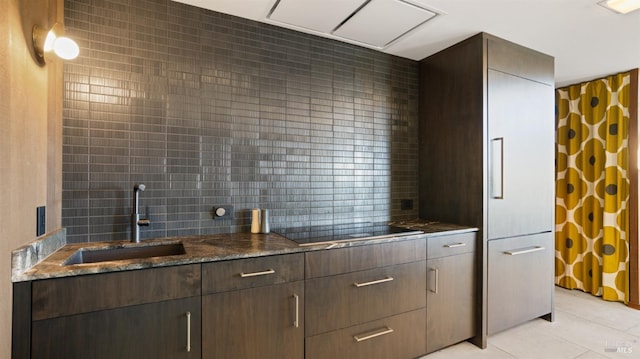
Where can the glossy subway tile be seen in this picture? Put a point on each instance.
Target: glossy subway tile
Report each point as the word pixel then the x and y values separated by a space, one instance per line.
pixel 208 108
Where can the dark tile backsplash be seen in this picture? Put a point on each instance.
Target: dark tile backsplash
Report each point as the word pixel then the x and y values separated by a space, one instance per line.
pixel 209 109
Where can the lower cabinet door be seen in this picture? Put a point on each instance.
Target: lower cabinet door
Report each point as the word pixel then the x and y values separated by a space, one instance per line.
pixel 451 305
pixel 399 337
pixel 169 329
pixel 256 323
pixel 520 280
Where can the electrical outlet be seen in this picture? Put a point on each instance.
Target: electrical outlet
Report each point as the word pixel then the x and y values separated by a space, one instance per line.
pixel 41 221
pixel 406 204
pixel 223 212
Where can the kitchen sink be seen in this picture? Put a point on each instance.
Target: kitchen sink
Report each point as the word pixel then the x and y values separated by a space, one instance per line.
pixel 137 251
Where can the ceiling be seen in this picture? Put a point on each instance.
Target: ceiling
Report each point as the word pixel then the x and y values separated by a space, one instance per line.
pixel 587 40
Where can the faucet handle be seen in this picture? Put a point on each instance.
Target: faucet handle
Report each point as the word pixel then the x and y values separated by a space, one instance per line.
pixel 144 222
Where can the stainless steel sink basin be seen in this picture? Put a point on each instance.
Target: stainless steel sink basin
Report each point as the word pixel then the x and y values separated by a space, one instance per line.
pixel 96 255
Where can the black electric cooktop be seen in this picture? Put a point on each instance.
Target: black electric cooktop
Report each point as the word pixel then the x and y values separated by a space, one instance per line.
pixel 306 236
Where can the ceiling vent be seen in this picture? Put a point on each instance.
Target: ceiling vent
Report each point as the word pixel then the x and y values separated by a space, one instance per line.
pixel 372 23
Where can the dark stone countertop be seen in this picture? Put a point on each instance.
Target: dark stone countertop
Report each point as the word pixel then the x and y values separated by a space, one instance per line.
pixel 204 248
pixel 433 228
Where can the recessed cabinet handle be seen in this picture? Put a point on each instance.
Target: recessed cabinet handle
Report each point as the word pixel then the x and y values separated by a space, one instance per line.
pixel 454 245
pixel 524 251
pixel 296 321
pixel 387 279
pixel 255 274
pixel 435 280
pixel 188 331
pixel 371 335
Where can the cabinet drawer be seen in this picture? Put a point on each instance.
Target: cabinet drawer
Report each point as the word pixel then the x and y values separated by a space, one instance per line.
pixel 81 294
pixel 351 259
pixel 354 298
pixel 401 336
pixel 520 280
pixel 251 272
pixel 449 245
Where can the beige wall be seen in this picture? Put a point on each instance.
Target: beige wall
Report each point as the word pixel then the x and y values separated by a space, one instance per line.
pixel 30 139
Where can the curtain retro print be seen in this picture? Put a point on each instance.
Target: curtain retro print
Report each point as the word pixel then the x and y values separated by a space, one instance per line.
pixel 592 187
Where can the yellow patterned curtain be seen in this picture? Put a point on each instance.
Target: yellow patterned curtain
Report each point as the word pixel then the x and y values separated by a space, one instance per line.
pixel 592 187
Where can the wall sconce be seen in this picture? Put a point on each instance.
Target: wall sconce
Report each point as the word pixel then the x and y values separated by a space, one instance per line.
pixel 45 42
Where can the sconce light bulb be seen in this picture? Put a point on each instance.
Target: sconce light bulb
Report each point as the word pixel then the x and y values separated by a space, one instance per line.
pixel 53 41
pixel 49 41
pixel 66 48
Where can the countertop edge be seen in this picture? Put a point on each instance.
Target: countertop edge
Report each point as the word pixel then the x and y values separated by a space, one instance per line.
pixel 26 257
pixel 200 249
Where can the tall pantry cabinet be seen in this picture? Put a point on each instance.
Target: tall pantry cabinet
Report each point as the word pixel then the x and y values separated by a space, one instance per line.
pixel 487 138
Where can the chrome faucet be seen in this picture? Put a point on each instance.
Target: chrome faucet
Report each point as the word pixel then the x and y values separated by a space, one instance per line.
pixel 136 221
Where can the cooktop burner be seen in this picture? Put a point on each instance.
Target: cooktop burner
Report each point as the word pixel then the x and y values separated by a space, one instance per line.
pixel 306 236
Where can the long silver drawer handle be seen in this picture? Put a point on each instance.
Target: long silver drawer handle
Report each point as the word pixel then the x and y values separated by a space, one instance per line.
pixel 296 322
pixel 188 331
pixel 387 279
pixel 255 274
pixel 454 245
pixel 524 251
pixel 371 335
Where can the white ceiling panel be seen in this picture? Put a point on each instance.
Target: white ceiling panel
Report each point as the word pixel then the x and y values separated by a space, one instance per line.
pixel 317 15
pixel 587 40
pixel 380 22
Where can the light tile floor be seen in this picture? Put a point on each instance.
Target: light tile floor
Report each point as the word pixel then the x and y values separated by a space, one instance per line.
pixel 584 327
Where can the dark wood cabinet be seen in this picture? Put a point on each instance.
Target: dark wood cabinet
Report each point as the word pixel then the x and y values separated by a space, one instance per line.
pixel 169 329
pixel 353 298
pixel 487 153
pixel 451 299
pixel 254 308
pixel 366 301
pixel 397 336
pixel 359 301
pixel 521 156
pixel 149 313
pixel 261 323
pixel 358 258
pixel 519 277
pixel 521 185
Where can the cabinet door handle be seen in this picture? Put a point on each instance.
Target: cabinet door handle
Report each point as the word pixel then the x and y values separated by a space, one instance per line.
pixel 387 279
pixel 524 251
pixel 371 335
pixel 296 321
pixel 188 331
pixel 497 168
pixel 435 280
pixel 255 274
pixel 454 245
